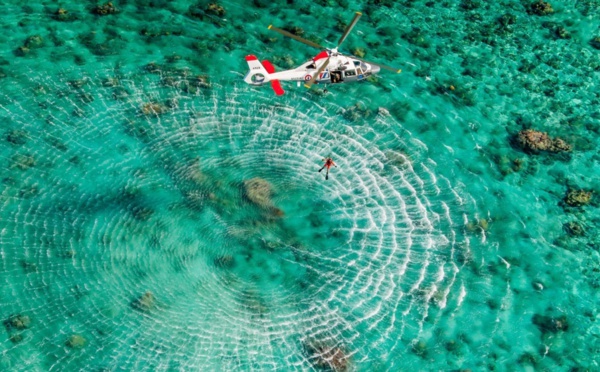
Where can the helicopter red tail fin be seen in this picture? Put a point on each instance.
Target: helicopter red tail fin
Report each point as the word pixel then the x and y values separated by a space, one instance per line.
pixel 274 83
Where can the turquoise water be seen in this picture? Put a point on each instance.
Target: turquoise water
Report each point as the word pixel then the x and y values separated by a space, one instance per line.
pixel 131 237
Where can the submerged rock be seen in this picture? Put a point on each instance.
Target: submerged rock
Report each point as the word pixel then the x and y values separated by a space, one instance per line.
pixel 356 112
pixel 215 9
pixel 111 82
pixel 595 42
pixel 295 30
pixel 258 191
pixel 213 12
pixel 224 262
pixel 359 52
pixel 63 15
pixel 144 303
pixel 419 348
pixel 534 141
pixel 507 19
pixel 105 9
pixel 327 357
pixel 578 198
pixel 540 8
pixel 22 51
pixel 16 137
pixel 154 109
pixel 562 33
pixel 34 41
pixel 153 68
pixel 574 229
pixel 549 324
pixel 22 161
pixel 478 225
pixel 17 322
pixel 76 342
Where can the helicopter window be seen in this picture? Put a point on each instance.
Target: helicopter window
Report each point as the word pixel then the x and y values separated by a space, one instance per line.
pixel 363 66
pixel 356 63
pixel 350 73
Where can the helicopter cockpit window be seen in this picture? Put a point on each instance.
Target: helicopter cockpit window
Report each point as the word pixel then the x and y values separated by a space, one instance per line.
pixel 363 66
pixel 350 73
pixel 357 63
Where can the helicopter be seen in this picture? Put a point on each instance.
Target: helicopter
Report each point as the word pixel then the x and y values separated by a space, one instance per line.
pixel 327 67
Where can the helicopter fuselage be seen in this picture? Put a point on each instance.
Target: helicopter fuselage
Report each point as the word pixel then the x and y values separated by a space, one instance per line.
pixel 327 67
pixel 341 69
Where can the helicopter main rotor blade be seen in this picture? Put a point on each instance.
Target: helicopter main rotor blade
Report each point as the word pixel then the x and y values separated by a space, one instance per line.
pixel 295 37
pixel 396 70
pixel 349 28
pixel 317 74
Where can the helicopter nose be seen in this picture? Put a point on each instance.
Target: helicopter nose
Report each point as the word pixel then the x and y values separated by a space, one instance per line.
pixel 375 69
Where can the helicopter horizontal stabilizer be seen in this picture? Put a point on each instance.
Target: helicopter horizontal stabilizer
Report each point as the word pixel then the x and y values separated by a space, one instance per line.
pixel 274 83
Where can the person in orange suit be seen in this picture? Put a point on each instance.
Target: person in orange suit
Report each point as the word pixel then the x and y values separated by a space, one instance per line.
pixel 328 163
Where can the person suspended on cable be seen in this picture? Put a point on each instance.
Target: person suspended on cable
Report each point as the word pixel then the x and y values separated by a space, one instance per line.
pixel 328 163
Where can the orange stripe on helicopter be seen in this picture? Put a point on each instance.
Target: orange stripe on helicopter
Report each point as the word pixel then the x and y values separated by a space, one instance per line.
pixel 274 83
pixel 251 58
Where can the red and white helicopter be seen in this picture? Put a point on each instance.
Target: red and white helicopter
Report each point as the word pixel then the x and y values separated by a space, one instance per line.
pixel 327 67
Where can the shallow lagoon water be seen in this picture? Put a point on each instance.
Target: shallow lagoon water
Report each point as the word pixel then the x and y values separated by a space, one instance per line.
pixel 130 240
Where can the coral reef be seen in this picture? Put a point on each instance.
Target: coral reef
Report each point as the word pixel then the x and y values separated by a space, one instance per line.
pixel 574 228
pixel 359 52
pixel 14 324
pixel 75 342
pixel 549 324
pixel 213 12
pixel 327 357
pixel 16 137
pixel 152 108
pixel 478 225
pixel 224 262
pixel 144 303
pixel 356 112
pixel 215 9
pixel 34 41
pixel 63 15
pixel 17 322
pixel 533 141
pixel 562 33
pixel 578 198
pixel 105 9
pixel 258 191
pixel 540 8
pixel 419 348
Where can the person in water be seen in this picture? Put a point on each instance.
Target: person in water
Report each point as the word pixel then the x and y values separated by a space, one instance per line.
pixel 328 163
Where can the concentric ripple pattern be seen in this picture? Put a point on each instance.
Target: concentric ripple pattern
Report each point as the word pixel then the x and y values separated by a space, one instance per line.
pixel 150 226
